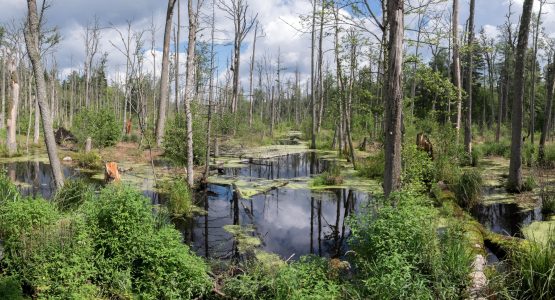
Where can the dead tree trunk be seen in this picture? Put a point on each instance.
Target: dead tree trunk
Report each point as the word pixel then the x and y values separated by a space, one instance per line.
pixel 393 97
pixel 165 75
pixel 457 64
pixel 468 118
pixel 32 32
pixel 13 105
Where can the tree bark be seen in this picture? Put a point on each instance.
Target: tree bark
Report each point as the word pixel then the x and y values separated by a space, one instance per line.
pixel 312 78
pixel 468 118
pixel 515 166
pixel 457 64
pixel 533 88
pixel 165 75
pixel 550 82
pixel 251 96
pixel 190 86
pixel 393 97
pixel 32 32
pixel 13 105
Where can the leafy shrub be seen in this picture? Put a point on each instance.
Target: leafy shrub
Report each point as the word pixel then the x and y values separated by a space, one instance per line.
pixel 329 177
pixel 418 169
pixel 469 188
pixel 528 154
pixel 549 156
pixel 309 278
pixel 495 149
pixel 372 166
pixel 102 126
pixel 395 249
pixel 73 194
pixel 175 145
pixel 10 288
pixel 8 190
pixel 135 256
pixel 49 253
pixel 91 160
pixel 180 198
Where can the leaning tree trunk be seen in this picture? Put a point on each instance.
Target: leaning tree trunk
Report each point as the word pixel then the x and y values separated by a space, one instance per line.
pixel 393 97
pixel 515 166
pixel 165 75
pixel 13 104
pixel 32 41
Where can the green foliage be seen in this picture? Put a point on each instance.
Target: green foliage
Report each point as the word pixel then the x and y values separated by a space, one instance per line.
pixel 50 253
pixel 309 278
pixel 102 126
pixel 549 155
pixel 469 188
pixel 73 194
pixel 532 273
pixel 330 177
pixel 502 148
pixel 180 198
pixel 548 201
pixel 10 288
pixel 529 184
pixel 528 154
pixel 175 139
pixel 418 169
pixel 371 167
pixel 134 256
pixel 8 190
pixel 91 160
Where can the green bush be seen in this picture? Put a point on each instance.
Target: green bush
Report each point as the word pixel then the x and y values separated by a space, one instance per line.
pixel 136 257
pixel 418 169
pixel 329 177
pixel 175 142
pixel 8 190
pixel 371 167
pixel 91 160
pixel 469 188
pixel 180 198
pixel 10 288
pixel 308 278
pixel 102 126
pixel 73 194
pixel 495 149
pixel 49 253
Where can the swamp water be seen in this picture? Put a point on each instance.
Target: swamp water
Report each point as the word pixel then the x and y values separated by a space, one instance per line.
pixel 290 220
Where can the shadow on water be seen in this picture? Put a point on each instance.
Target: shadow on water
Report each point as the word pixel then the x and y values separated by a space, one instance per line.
pixel 287 221
pixel 286 166
pixel 34 178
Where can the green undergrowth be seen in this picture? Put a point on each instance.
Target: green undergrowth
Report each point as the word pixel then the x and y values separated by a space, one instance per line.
pixel 81 246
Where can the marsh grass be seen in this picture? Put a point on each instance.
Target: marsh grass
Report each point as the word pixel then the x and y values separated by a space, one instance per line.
pixel 468 189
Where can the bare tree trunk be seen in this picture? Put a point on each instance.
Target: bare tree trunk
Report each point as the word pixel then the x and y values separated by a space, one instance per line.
pixel 177 39
pixel 320 73
pixel 3 111
pixel 165 75
pixel 190 86
pixel 533 88
pixel 211 94
pixel 251 70
pixel 457 64
pixel 13 105
pixel 32 32
pixel 515 166
pixel 393 97
pixel 312 79
pixel 550 82
pixel 468 119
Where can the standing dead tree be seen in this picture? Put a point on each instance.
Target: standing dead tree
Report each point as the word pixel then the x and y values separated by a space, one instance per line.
pixel 236 11
pixel 32 40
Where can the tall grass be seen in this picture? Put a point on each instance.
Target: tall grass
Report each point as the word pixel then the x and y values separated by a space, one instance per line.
pixel 533 270
pixel 469 188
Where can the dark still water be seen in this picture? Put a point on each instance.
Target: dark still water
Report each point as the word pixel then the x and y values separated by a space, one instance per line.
pixel 287 221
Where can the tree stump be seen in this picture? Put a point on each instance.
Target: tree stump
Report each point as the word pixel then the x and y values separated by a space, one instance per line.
pixel 111 172
pixel 88 145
